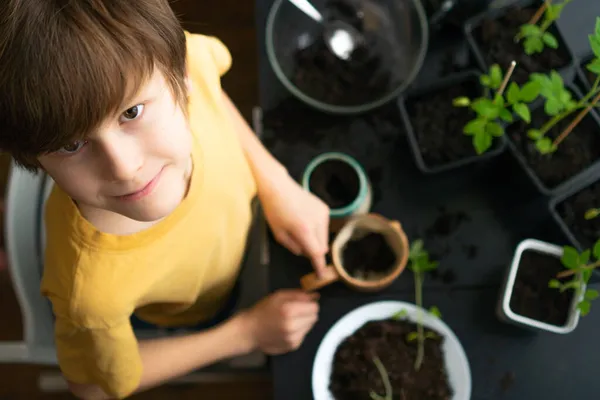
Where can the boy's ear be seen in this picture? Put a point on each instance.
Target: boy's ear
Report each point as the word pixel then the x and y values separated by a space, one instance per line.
pixel 188 81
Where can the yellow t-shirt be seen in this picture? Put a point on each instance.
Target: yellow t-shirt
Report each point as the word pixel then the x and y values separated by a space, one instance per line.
pixel 179 271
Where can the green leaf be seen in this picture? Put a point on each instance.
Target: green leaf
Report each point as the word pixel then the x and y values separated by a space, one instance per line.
pixel 530 30
pixel 550 40
pixel 594 66
pixel 592 213
pixel 495 76
pixel 597 250
pixel 461 102
pixel 545 145
pixel 412 336
pixel 494 129
pixel 474 126
pixel 435 312
pixel 597 30
pixel 430 335
pixel 513 93
pixel 570 257
pixel 595 44
pixel 486 108
pixel 584 257
pixel 505 115
pixel 416 248
pixel 482 141
pixel 534 134
pixel 499 102
pixel 565 97
pixel 522 111
pixel 584 307
pixel 400 314
pixel 557 81
pixel 530 91
pixel 554 284
pixel 552 107
pixel 532 45
pixel 586 274
pixel 591 294
pixel 485 81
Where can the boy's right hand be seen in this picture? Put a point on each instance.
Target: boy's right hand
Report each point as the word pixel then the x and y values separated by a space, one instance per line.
pixel 279 322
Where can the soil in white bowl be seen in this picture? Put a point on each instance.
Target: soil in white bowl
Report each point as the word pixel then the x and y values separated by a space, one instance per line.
pixel 355 374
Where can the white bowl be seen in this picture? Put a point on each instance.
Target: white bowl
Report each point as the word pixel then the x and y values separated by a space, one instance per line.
pixel 457 364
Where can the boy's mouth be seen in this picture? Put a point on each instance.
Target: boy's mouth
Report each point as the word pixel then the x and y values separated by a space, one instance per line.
pixel 143 192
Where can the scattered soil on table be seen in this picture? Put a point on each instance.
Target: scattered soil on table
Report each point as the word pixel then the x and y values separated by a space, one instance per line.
pixel 447 276
pixel 495 39
pixel 508 379
pixel 577 152
pixel 572 211
pixel 531 295
pixel 446 223
pixel 369 257
pixel 438 125
pixel 470 250
pixel 335 182
pixel 354 374
pixel 365 77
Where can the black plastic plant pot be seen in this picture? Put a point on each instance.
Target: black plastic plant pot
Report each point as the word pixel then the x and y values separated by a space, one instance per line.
pixel 489 27
pixel 435 133
pixel 569 210
pixel 585 77
pixel 577 157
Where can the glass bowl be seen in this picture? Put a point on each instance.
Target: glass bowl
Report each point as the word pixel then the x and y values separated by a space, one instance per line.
pixel 388 51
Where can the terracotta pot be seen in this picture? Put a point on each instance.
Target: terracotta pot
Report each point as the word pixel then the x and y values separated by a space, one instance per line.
pixel 355 228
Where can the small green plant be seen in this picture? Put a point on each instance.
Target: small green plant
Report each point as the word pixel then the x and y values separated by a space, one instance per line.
pixel 491 112
pixel 386 381
pixel 535 36
pixel 559 103
pixel 592 213
pixel 578 264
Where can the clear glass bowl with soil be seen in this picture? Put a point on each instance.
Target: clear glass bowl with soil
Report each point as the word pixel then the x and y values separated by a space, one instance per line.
pixel 569 211
pixel 392 45
pixel 577 156
pixel 434 126
pixel 527 300
pixel 491 36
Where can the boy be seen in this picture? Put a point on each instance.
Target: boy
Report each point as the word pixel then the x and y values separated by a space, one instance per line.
pixel 155 171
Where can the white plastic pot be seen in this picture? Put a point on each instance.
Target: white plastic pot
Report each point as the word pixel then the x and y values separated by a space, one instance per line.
pixel 506 314
pixel 457 364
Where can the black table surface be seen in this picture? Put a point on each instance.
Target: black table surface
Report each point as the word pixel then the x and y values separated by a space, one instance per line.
pixel 482 212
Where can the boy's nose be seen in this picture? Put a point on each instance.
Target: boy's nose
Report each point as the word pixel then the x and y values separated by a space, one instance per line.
pixel 124 160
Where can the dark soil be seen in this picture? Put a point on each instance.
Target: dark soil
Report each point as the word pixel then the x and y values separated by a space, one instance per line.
pixel 438 125
pixel 572 211
pixel 495 39
pixel 369 255
pixel 577 152
pixel 446 223
pixel 335 182
pixel 365 77
pixel 354 373
pixel 531 295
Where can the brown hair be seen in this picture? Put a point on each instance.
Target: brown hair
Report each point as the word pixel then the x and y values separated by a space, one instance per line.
pixel 65 66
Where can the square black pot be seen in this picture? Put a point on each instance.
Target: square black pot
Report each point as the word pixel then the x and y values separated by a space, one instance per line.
pixel 498 145
pixel 574 180
pixel 567 71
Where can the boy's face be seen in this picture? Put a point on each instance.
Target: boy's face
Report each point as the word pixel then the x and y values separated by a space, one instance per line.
pixel 137 164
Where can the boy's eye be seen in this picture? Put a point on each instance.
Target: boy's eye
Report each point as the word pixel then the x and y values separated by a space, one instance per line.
pixel 133 112
pixel 72 148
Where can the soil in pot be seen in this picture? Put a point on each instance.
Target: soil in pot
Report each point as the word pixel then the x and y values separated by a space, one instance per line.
pixel 363 78
pixel 572 211
pixel 335 182
pixel 495 38
pixel 577 152
pixel 354 374
pixel 531 296
pixel 369 257
pixel 438 125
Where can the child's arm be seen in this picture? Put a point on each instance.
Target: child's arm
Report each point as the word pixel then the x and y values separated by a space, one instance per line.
pixel 299 220
pixel 275 325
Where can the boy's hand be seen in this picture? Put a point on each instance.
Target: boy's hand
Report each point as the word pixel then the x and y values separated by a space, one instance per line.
pixel 299 219
pixel 278 323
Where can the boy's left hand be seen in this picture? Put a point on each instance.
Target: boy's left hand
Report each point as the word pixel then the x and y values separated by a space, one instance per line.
pixel 299 220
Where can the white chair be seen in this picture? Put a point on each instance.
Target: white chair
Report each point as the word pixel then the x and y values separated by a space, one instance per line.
pixel 26 194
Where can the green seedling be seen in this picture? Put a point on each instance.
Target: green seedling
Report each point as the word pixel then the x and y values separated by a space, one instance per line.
pixel 386 381
pixel 592 213
pixel 578 264
pixel 559 103
pixel 535 36
pixel 491 112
